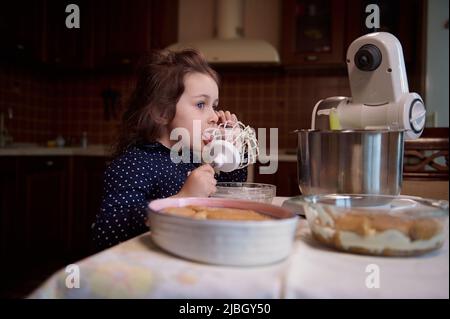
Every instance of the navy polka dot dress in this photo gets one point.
(139, 175)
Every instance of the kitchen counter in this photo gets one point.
(282, 157)
(105, 150)
(92, 150)
(137, 268)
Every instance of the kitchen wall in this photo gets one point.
(27, 97)
(44, 106)
(47, 105)
(437, 62)
(279, 100)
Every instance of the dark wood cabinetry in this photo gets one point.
(62, 46)
(285, 178)
(9, 218)
(313, 32)
(402, 18)
(47, 206)
(122, 31)
(21, 29)
(111, 33)
(318, 32)
(87, 185)
(42, 205)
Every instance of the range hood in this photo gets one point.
(229, 46)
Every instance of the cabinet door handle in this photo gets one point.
(311, 58)
(49, 163)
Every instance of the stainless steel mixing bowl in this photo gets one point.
(350, 161)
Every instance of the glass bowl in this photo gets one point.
(378, 224)
(259, 192)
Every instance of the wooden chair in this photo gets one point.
(425, 169)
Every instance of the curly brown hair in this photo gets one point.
(159, 86)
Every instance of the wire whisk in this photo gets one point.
(232, 146)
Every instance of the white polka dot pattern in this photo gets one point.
(139, 175)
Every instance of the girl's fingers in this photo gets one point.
(207, 168)
(213, 190)
(226, 116)
(221, 115)
(211, 185)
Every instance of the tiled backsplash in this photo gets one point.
(44, 106)
(28, 96)
(283, 101)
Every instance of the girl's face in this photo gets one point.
(199, 101)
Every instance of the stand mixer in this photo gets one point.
(358, 147)
(379, 86)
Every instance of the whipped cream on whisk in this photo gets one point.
(232, 145)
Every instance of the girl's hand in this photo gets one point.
(226, 117)
(200, 183)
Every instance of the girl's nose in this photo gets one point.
(213, 118)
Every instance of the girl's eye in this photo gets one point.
(200, 105)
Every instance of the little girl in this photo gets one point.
(172, 91)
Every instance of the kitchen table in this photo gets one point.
(137, 268)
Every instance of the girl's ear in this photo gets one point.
(159, 118)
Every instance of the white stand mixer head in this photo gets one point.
(379, 86)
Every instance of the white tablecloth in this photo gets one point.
(139, 269)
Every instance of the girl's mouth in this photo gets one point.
(207, 138)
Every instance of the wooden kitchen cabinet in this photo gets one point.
(35, 33)
(47, 206)
(285, 178)
(313, 32)
(33, 207)
(63, 46)
(402, 18)
(21, 30)
(43, 205)
(318, 32)
(124, 32)
(111, 34)
(87, 188)
(33, 219)
(8, 206)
